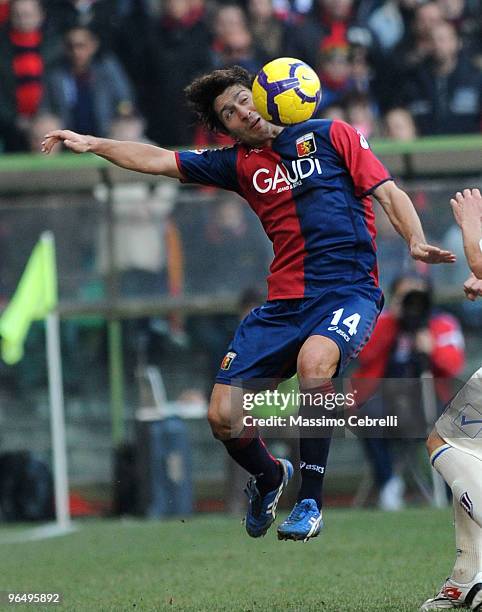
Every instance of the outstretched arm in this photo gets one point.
(467, 208)
(404, 218)
(130, 155)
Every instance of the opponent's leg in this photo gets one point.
(246, 447)
(468, 542)
(464, 585)
(317, 363)
(461, 471)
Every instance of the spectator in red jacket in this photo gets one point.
(410, 338)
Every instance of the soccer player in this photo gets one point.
(310, 185)
(455, 444)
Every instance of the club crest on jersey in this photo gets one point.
(228, 360)
(306, 145)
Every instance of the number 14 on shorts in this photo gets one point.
(351, 321)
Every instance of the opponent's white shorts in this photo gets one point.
(460, 425)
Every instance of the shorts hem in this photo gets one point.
(249, 385)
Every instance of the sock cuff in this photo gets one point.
(439, 451)
(246, 436)
(325, 387)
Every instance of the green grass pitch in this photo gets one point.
(362, 561)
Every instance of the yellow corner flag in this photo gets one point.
(35, 297)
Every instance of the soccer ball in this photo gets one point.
(286, 91)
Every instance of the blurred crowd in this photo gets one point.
(392, 68)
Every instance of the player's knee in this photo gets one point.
(314, 366)
(221, 416)
(219, 424)
(318, 360)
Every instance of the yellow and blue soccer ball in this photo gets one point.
(286, 91)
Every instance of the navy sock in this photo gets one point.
(250, 452)
(314, 445)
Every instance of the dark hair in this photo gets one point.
(202, 92)
(415, 276)
(92, 32)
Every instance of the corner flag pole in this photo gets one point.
(57, 423)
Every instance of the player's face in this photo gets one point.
(236, 111)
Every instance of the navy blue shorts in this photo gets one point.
(267, 342)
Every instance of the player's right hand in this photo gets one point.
(78, 143)
(473, 288)
(467, 207)
(430, 254)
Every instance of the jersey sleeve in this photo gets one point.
(366, 170)
(216, 167)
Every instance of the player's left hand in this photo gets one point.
(473, 288)
(430, 254)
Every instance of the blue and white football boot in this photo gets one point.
(304, 522)
(262, 510)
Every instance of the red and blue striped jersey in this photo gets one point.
(311, 191)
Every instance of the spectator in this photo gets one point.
(335, 111)
(131, 47)
(176, 52)
(233, 42)
(292, 10)
(332, 24)
(334, 70)
(147, 249)
(223, 231)
(101, 16)
(387, 25)
(361, 115)
(417, 43)
(399, 125)
(444, 93)
(147, 253)
(410, 338)
(270, 32)
(25, 51)
(466, 18)
(393, 69)
(87, 91)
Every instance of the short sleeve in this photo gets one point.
(215, 167)
(366, 170)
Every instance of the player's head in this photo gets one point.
(223, 102)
